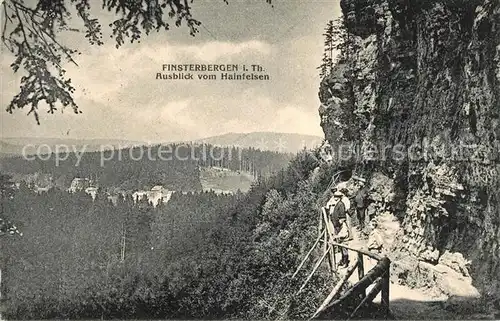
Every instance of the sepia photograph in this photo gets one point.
(250, 160)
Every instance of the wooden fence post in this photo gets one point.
(333, 261)
(328, 233)
(378, 284)
(1, 303)
(335, 290)
(378, 270)
(325, 236)
(385, 293)
(361, 271)
(378, 276)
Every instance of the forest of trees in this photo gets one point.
(81, 257)
(201, 255)
(252, 160)
(174, 166)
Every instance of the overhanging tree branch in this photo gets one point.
(31, 35)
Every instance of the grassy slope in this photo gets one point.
(224, 180)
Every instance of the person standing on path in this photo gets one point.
(361, 202)
(341, 228)
(337, 227)
(329, 215)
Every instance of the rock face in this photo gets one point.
(419, 88)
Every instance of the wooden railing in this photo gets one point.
(355, 298)
(378, 276)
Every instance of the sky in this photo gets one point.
(120, 98)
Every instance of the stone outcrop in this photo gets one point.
(420, 85)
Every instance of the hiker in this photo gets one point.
(342, 234)
(375, 239)
(337, 221)
(361, 201)
(342, 188)
(329, 215)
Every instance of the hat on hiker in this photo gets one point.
(338, 194)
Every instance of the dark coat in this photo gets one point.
(338, 213)
(361, 198)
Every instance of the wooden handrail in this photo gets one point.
(378, 270)
(378, 275)
(367, 253)
(385, 299)
(371, 295)
(361, 269)
(336, 289)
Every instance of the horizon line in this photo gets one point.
(159, 141)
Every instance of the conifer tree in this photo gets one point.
(336, 40)
(326, 64)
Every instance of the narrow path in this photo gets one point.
(410, 303)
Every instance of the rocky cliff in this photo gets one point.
(416, 97)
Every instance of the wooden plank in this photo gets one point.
(328, 234)
(361, 270)
(367, 253)
(320, 223)
(314, 270)
(333, 259)
(385, 299)
(378, 270)
(379, 283)
(328, 225)
(335, 290)
(325, 240)
(325, 249)
(324, 218)
(2, 307)
(308, 254)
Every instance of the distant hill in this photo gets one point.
(10, 146)
(280, 142)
